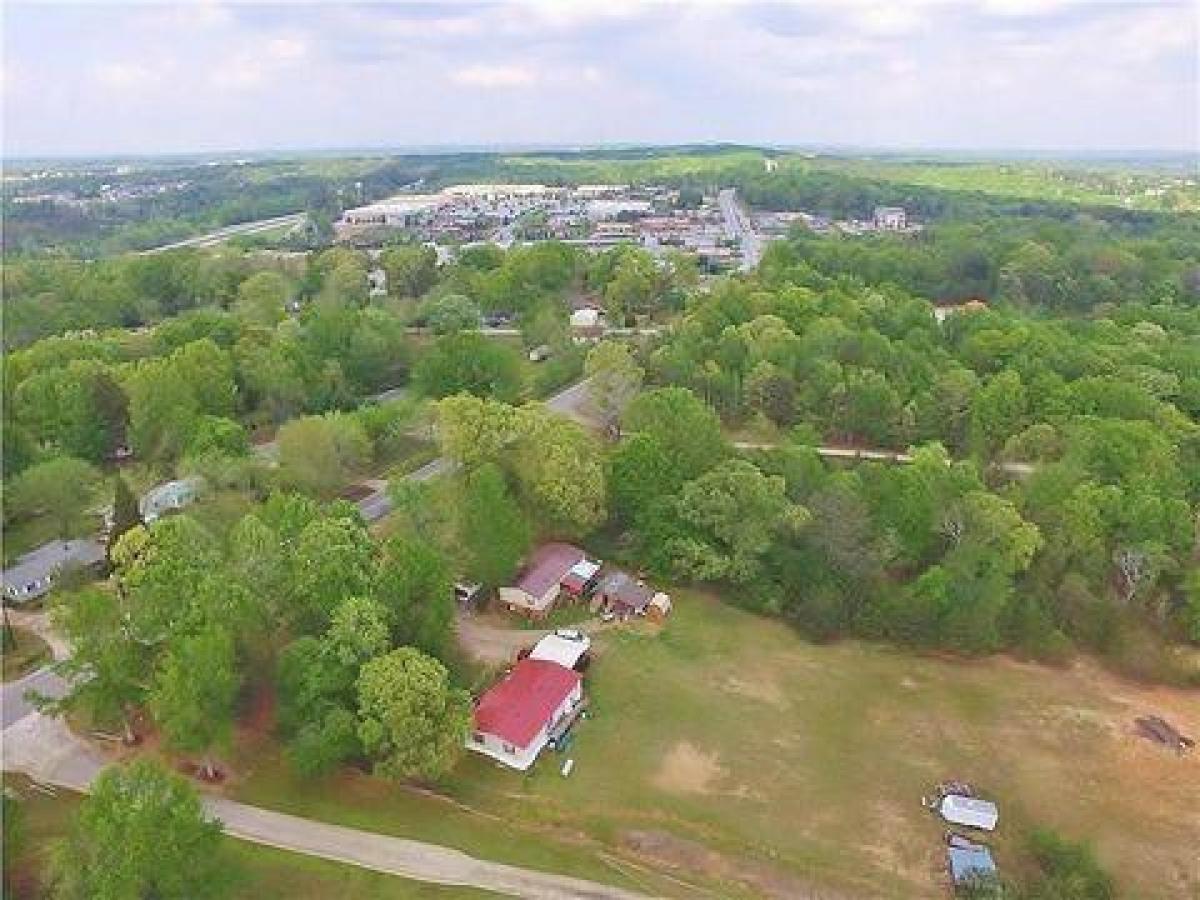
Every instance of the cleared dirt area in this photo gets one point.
(686, 769)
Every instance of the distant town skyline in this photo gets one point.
(1065, 76)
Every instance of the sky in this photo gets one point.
(1070, 76)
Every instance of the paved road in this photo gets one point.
(45, 749)
(739, 228)
(15, 706)
(223, 234)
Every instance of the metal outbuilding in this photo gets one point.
(969, 811)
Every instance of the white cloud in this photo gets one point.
(125, 76)
(287, 49)
(489, 77)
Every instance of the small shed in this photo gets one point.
(622, 594)
(968, 862)
(581, 579)
(969, 811)
(659, 607)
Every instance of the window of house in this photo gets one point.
(509, 748)
(477, 737)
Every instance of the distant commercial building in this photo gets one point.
(890, 218)
(398, 212)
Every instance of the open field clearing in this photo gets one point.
(730, 753)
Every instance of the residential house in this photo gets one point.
(540, 581)
(533, 706)
(168, 497)
(33, 575)
(587, 320)
(890, 218)
(942, 312)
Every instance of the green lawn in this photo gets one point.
(261, 872)
(28, 653)
(731, 752)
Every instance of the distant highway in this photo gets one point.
(223, 234)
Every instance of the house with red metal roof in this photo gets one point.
(534, 705)
(541, 579)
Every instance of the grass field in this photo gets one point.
(29, 653)
(260, 872)
(733, 754)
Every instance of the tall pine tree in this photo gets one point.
(126, 515)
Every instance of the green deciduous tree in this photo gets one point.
(411, 271)
(61, 488)
(142, 832)
(319, 454)
(411, 721)
(261, 298)
(492, 527)
(451, 313)
(331, 561)
(473, 430)
(687, 429)
(470, 363)
(614, 378)
(107, 668)
(317, 679)
(194, 691)
(413, 584)
(731, 516)
(560, 469)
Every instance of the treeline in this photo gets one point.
(165, 391)
(1072, 520)
(1051, 266)
(151, 206)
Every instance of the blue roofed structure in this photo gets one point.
(969, 861)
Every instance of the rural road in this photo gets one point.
(1019, 469)
(45, 749)
(13, 705)
(222, 234)
(16, 707)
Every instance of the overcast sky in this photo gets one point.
(1083, 76)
